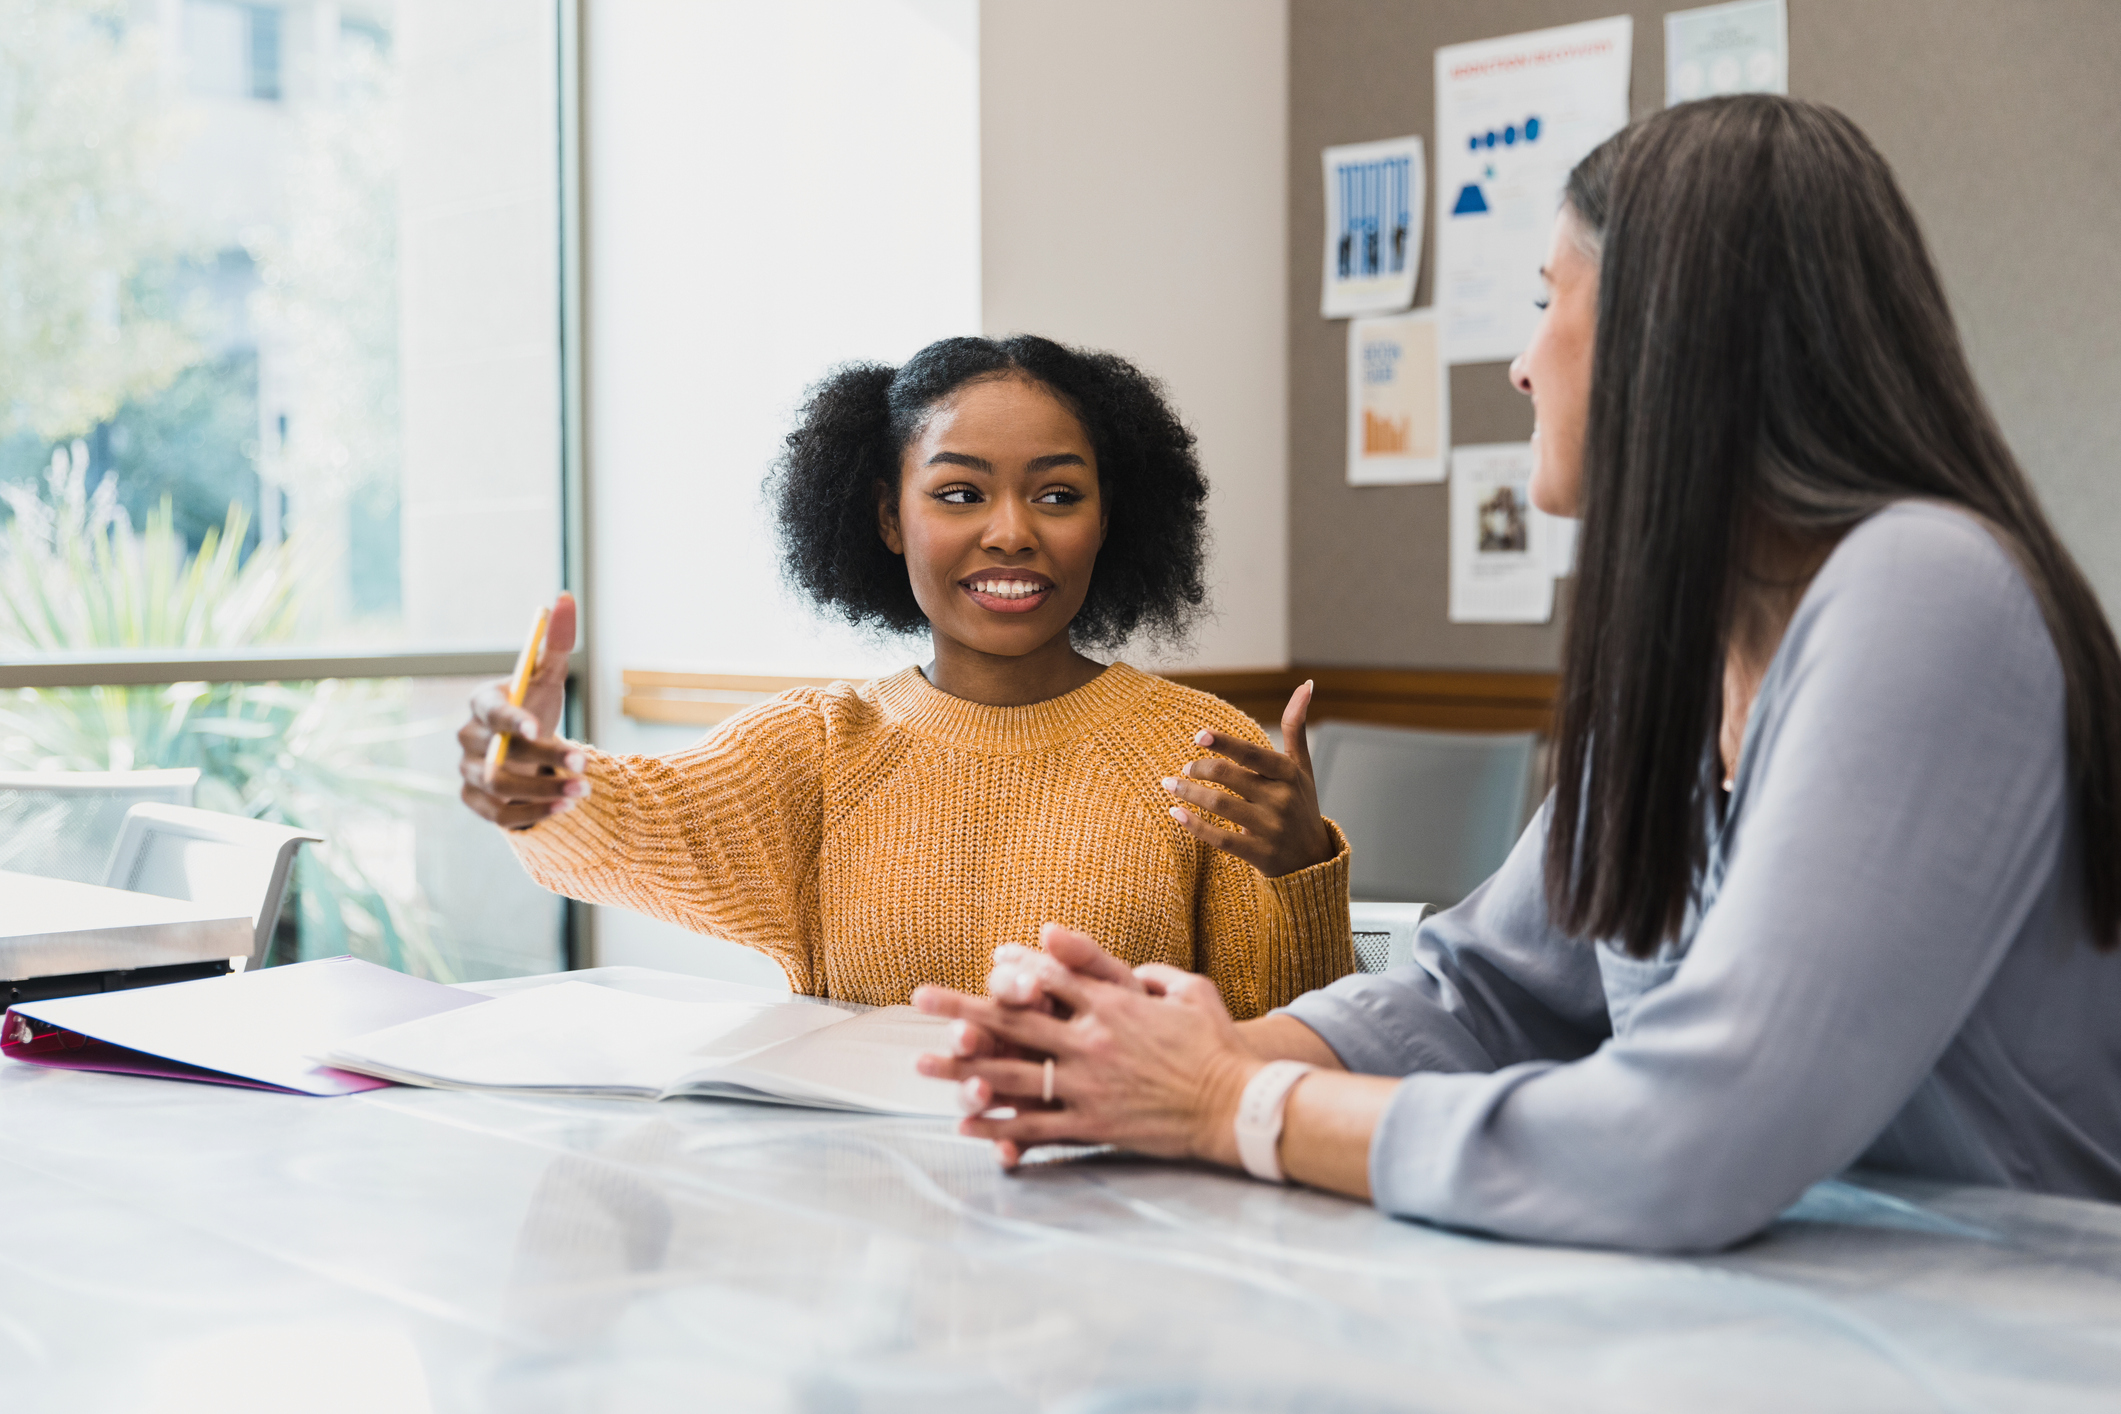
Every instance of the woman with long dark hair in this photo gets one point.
(1828, 875)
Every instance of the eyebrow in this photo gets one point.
(1036, 464)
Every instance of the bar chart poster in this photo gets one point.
(1374, 194)
(1398, 415)
(1513, 115)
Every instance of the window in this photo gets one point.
(281, 450)
(231, 50)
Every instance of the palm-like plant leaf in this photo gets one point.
(76, 577)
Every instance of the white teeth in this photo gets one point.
(1008, 588)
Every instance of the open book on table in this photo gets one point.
(580, 1038)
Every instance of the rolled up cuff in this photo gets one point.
(1313, 903)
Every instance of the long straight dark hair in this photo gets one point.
(1774, 354)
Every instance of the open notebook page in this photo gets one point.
(578, 1038)
(865, 1063)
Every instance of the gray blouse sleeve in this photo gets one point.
(1899, 810)
(1492, 984)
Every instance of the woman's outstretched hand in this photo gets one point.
(538, 777)
(1147, 1058)
(1273, 797)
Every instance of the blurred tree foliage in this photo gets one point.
(76, 577)
(80, 132)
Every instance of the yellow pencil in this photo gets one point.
(526, 668)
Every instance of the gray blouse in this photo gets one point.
(1888, 961)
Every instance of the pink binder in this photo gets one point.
(256, 1029)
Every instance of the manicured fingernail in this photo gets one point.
(575, 788)
(1204, 739)
(1178, 815)
(557, 806)
(574, 761)
(961, 1038)
(1170, 784)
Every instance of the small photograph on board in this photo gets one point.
(1398, 413)
(1502, 522)
(1500, 570)
(1718, 49)
(1374, 196)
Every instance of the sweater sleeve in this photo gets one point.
(721, 838)
(1898, 813)
(1264, 941)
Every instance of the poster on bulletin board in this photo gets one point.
(1398, 410)
(1513, 115)
(1374, 193)
(1501, 571)
(1718, 49)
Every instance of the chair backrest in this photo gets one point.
(62, 824)
(1428, 815)
(207, 857)
(1384, 933)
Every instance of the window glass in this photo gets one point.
(406, 876)
(279, 370)
(290, 271)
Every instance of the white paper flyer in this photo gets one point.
(1513, 115)
(1737, 48)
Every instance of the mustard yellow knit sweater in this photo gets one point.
(872, 838)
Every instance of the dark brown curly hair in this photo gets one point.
(856, 424)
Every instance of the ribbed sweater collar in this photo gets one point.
(914, 703)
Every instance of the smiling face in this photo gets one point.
(999, 518)
(1555, 368)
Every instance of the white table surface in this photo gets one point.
(180, 1246)
(51, 926)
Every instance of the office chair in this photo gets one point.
(1428, 815)
(206, 857)
(61, 824)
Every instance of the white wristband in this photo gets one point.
(1259, 1113)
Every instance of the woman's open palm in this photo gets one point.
(1272, 796)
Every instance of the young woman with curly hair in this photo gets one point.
(1022, 501)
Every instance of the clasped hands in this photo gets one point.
(1072, 1046)
(1146, 1058)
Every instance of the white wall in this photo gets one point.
(1133, 161)
(769, 190)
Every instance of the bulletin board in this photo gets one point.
(1999, 120)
